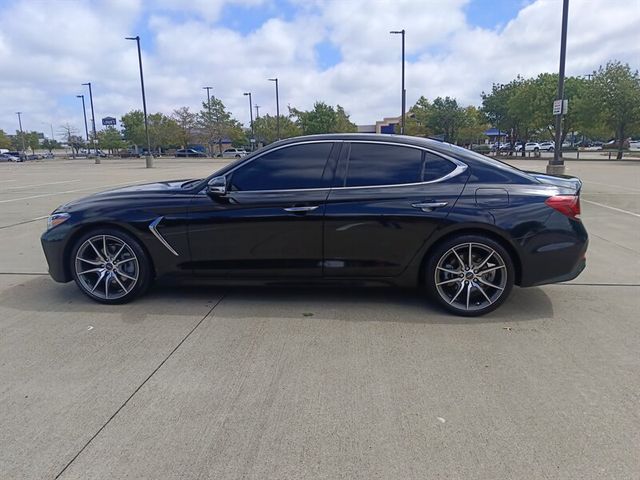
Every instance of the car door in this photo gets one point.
(269, 222)
(386, 202)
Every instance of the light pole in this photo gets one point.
(257, 107)
(148, 157)
(277, 107)
(21, 132)
(84, 113)
(253, 134)
(208, 89)
(93, 122)
(556, 166)
(403, 93)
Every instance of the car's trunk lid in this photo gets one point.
(565, 181)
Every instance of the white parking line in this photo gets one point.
(100, 188)
(7, 181)
(611, 185)
(41, 185)
(611, 208)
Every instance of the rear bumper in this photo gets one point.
(567, 276)
(555, 256)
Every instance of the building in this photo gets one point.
(386, 125)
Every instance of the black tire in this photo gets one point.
(118, 273)
(449, 283)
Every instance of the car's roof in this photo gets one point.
(376, 137)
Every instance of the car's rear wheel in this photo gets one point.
(470, 275)
(110, 266)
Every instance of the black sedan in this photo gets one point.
(189, 152)
(342, 209)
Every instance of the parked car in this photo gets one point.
(233, 153)
(634, 145)
(338, 209)
(528, 147)
(189, 152)
(547, 146)
(6, 157)
(21, 157)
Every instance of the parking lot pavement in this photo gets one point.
(314, 383)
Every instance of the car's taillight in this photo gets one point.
(568, 205)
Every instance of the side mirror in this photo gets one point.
(217, 186)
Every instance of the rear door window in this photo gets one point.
(372, 164)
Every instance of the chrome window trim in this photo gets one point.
(460, 167)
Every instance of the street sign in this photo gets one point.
(560, 107)
(108, 121)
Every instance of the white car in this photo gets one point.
(234, 153)
(529, 147)
(634, 145)
(5, 157)
(547, 146)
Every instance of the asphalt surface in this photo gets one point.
(256, 383)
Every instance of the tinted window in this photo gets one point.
(377, 164)
(299, 166)
(435, 167)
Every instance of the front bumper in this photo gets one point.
(53, 244)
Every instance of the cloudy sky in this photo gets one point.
(339, 51)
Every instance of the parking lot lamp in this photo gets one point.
(403, 93)
(84, 113)
(208, 89)
(93, 122)
(253, 134)
(148, 157)
(277, 107)
(21, 132)
(257, 107)
(556, 165)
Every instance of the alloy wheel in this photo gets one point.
(471, 276)
(106, 267)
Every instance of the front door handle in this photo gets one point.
(428, 206)
(310, 208)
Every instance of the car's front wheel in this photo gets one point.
(110, 266)
(470, 275)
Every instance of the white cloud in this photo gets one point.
(47, 52)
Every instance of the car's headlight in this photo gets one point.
(56, 219)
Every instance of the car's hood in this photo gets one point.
(133, 192)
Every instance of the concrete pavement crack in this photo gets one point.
(184, 339)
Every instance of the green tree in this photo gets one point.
(5, 141)
(32, 141)
(50, 144)
(215, 123)
(416, 120)
(164, 131)
(187, 123)
(495, 106)
(76, 142)
(472, 127)
(323, 119)
(267, 132)
(110, 139)
(617, 88)
(445, 118)
(133, 128)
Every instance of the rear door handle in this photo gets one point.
(428, 206)
(310, 208)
